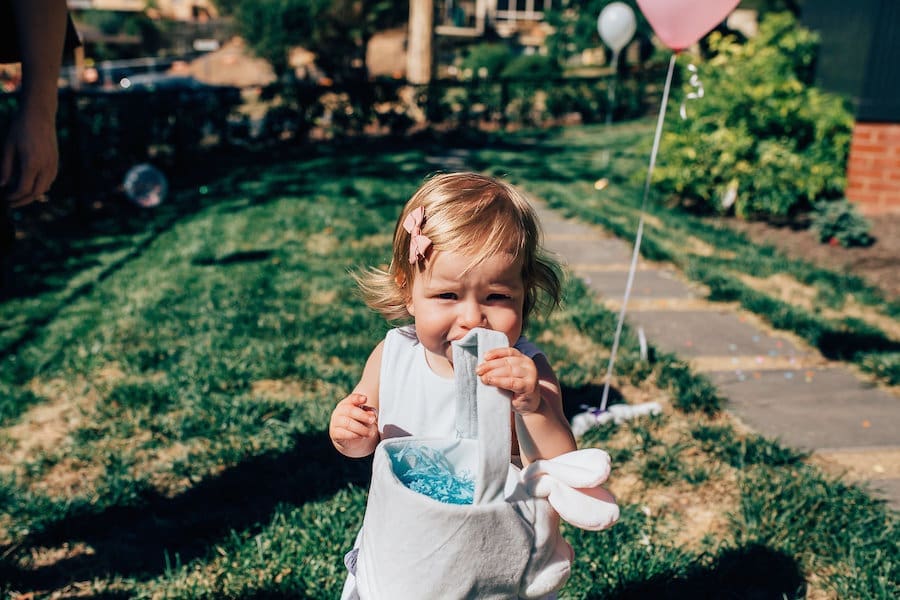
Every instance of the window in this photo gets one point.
(522, 10)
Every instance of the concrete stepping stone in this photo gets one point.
(577, 249)
(709, 333)
(555, 226)
(888, 489)
(648, 283)
(876, 469)
(813, 409)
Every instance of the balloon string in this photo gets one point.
(611, 91)
(695, 82)
(640, 233)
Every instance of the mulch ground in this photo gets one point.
(878, 264)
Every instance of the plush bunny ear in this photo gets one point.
(571, 483)
(587, 508)
(583, 468)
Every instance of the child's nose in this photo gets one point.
(471, 315)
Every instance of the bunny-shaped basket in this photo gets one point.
(506, 544)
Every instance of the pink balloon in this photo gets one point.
(680, 23)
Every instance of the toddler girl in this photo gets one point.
(466, 254)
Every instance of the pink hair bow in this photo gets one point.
(418, 243)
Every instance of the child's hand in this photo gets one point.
(354, 426)
(509, 369)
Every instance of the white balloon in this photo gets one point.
(616, 25)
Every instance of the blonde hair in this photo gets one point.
(475, 215)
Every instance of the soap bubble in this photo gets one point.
(145, 185)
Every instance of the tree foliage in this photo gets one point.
(795, 7)
(110, 23)
(337, 31)
(575, 26)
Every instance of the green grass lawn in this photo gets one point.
(165, 399)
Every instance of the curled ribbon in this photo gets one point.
(418, 243)
(694, 82)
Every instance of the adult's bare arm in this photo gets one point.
(29, 156)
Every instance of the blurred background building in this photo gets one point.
(177, 10)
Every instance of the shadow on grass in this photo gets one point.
(575, 399)
(132, 541)
(844, 345)
(40, 286)
(751, 573)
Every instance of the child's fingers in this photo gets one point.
(517, 385)
(515, 378)
(515, 373)
(363, 414)
(356, 422)
(357, 399)
(509, 369)
(353, 416)
(501, 353)
(353, 427)
(356, 412)
(505, 365)
(520, 366)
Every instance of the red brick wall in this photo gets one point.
(873, 172)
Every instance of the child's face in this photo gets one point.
(446, 304)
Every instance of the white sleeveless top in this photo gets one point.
(413, 399)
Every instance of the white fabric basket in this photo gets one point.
(506, 544)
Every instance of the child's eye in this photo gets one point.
(495, 297)
(447, 296)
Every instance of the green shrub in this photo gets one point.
(531, 66)
(761, 136)
(491, 56)
(586, 99)
(841, 222)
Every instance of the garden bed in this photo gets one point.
(878, 264)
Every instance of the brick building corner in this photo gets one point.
(873, 170)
